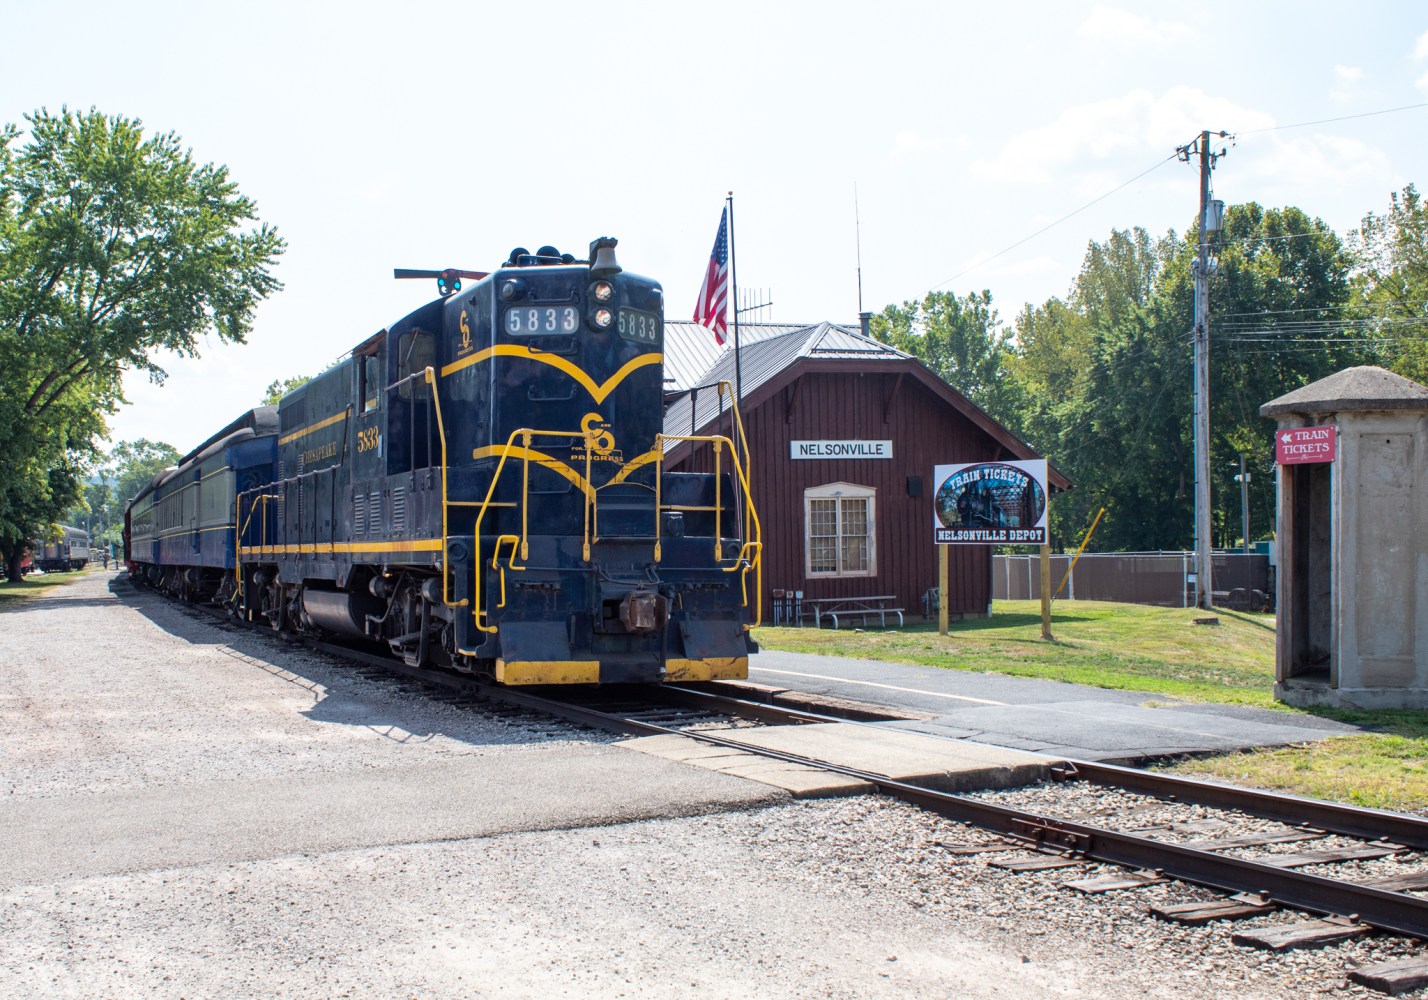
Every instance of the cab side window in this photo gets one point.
(416, 351)
(370, 391)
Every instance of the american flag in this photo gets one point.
(712, 307)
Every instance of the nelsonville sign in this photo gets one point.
(840, 449)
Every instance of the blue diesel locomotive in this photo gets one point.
(480, 486)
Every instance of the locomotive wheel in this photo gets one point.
(277, 608)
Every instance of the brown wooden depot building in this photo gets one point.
(843, 434)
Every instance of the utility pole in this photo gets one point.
(1244, 480)
(1200, 148)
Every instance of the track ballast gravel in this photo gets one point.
(845, 898)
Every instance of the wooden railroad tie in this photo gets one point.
(1306, 934)
(1038, 864)
(1237, 907)
(1109, 883)
(1399, 976)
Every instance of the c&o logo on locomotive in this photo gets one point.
(464, 347)
(602, 445)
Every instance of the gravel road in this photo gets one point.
(103, 693)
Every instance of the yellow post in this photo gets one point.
(941, 590)
(1046, 593)
(1077, 557)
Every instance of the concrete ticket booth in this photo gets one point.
(1353, 541)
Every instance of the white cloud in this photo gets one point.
(1137, 124)
(1422, 83)
(1345, 77)
(1041, 266)
(1420, 51)
(1123, 27)
(916, 142)
(1311, 171)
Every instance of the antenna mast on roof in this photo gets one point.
(858, 240)
(752, 304)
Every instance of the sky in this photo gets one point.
(443, 135)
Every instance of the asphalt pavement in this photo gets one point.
(1069, 720)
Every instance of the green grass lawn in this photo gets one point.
(1130, 647)
(1385, 769)
(11, 594)
(34, 585)
(1162, 653)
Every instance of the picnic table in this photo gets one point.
(850, 608)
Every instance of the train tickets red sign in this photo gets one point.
(1297, 445)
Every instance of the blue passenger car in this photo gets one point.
(179, 531)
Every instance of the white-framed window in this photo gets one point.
(839, 530)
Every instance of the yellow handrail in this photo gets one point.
(526, 434)
(240, 590)
(495, 563)
(446, 600)
(238, 546)
(750, 555)
(727, 387)
(749, 558)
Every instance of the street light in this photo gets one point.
(1244, 480)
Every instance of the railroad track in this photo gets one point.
(1253, 886)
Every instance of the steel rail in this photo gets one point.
(1331, 817)
(1334, 817)
(1396, 912)
(1384, 909)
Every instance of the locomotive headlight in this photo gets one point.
(602, 291)
(602, 318)
(512, 289)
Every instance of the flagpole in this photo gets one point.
(734, 279)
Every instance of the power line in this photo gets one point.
(1158, 165)
(1239, 240)
(1053, 225)
(1373, 347)
(1286, 312)
(1304, 341)
(1343, 118)
(1292, 327)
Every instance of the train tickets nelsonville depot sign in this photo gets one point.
(990, 503)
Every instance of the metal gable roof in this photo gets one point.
(762, 360)
(690, 349)
(698, 406)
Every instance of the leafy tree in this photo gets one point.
(1092, 372)
(92, 511)
(278, 388)
(134, 464)
(1278, 268)
(114, 247)
(961, 340)
(1103, 379)
(1392, 282)
(130, 467)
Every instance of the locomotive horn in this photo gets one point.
(602, 257)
